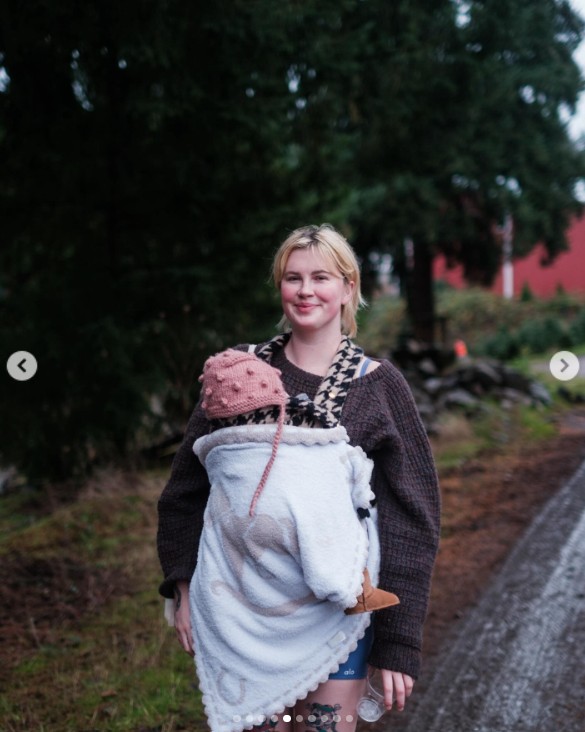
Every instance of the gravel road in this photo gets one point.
(518, 663)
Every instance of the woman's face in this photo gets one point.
(313, 291)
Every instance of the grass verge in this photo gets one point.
(85, 645)
(494, 430)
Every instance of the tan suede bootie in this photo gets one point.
(372, 598)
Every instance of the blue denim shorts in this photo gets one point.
(356, 666)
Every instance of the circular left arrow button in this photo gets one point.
(22, 365)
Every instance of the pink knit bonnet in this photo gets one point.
(237, 382)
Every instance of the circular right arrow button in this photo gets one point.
(564, 365)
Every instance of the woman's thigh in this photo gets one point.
(331, 707)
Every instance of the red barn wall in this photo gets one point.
(568, 269)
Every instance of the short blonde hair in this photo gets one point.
(334, 247)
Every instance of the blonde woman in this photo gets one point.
(327, 377)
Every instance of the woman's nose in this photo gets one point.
(306, 286)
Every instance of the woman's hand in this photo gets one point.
(397, 686)
(183, 617)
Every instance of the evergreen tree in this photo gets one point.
(463, 118)
(144, 186)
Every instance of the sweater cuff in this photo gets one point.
(167, 589)
(167, 586)
(395, 657)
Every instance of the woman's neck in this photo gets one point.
(312, 353)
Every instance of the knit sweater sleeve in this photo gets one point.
(180, 509)
(406, 487)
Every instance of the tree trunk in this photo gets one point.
(420, 296)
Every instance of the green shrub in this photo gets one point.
(577, 329)
(563, 304)
(503, 345)
(526, 293)
(537, 336)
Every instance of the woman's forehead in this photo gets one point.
(310, 259)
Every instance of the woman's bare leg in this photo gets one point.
(331, 707)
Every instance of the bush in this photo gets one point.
(503, 345)
(536, 336)
(577, 329)
(526, 294)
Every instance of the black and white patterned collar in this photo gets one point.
(327, 405)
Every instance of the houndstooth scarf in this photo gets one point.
(325, 409)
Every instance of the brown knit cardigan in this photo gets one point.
(380, 416)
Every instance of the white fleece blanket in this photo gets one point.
(268, 593)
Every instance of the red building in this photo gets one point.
(567, 271)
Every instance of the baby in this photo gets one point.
(236, 384)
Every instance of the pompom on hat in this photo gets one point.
(237, 382)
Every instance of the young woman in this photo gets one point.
(317, 274)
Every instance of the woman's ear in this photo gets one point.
(349, 288)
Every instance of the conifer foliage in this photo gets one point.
(154, 153)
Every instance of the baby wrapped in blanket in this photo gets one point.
(289, 536)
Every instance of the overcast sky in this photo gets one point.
(577, 124)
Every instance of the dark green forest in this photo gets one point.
(155, 153)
